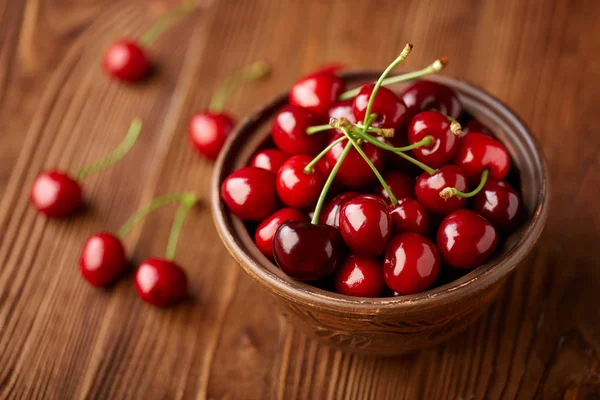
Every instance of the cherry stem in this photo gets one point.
(255, 71)
(166, 21)
(150, 208)
(433, 68)
(451, 191)
(133, 133)
(311, 130)
(309, 167)
(188, 201)
(455, 126)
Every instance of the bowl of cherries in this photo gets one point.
(383, 212)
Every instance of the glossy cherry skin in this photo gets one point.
(476, 126)
(56, 194)
(445, 143)
(208, 132)
(466, 239)
(360, 277)
(317, 92)
(411, 263)
(330, 214)
(263, 237)
(102, 259)
(354, 172)
(366, 225)
(429, 187)
(297, 188)
(289, 132)
(427, 95)
(499, 203)
(160, 282)
(269, 159)
(410, 216)
(250, 193)
(477, 152)
(341, 109)
(307, 252)
(126, 60)
(390, 109)
(401, 184)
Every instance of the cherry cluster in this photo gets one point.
(385, 196)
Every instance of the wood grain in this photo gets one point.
(60, 339)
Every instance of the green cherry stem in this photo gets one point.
(311, 130)
(116, 155)
(450, 191)
(188, 200)
(255, 71)
(433, 68)
(166, 21)
(309, 167)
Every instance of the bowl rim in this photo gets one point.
(476, 280)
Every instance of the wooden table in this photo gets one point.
(59, 338)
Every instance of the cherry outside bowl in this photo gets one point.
(393, 325)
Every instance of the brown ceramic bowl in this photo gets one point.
(393, 325)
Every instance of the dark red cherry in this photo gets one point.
(208, 132)
(476, 126)
(263, 237)
(250, 193)
(393, 160)
(354, 172)
(56, 194)
(390, 109)
(102, 259)
(401, 184)
(410, 216)
(360, 277)
(289, 132)
(499, 203)
(160, 282)
(330, 214)
(366, 225)
(436, 125)
(429, 187)
(466, 239)
(269, 159)
(307, 252)
(411, 263)
(126, 60)
(297, 188)
(427, 95)
(477, 152)
(317, 92)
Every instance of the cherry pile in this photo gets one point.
(369, 192)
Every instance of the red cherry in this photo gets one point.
(330, 214)
(360, 277)
(307, 252)
(465, 239)
(499, 203)
(341, 109)
(354, 172)
(436, 125)
(208, 132)
(160, 282)
(263, 237)
(410, 216)
(250, 193)
(429, 187)
(269, 159)
(425, 95)
(366, 225)
(390, 110)
(126, 60)
(411, 263)
(401, 184)
(317, 92)
(297, 188)
(476, 126)
(289, 132)
(102, 259)
(56, 194)
(477, 152)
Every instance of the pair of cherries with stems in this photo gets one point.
(158, 281)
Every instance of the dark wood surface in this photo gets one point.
(61, 339)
